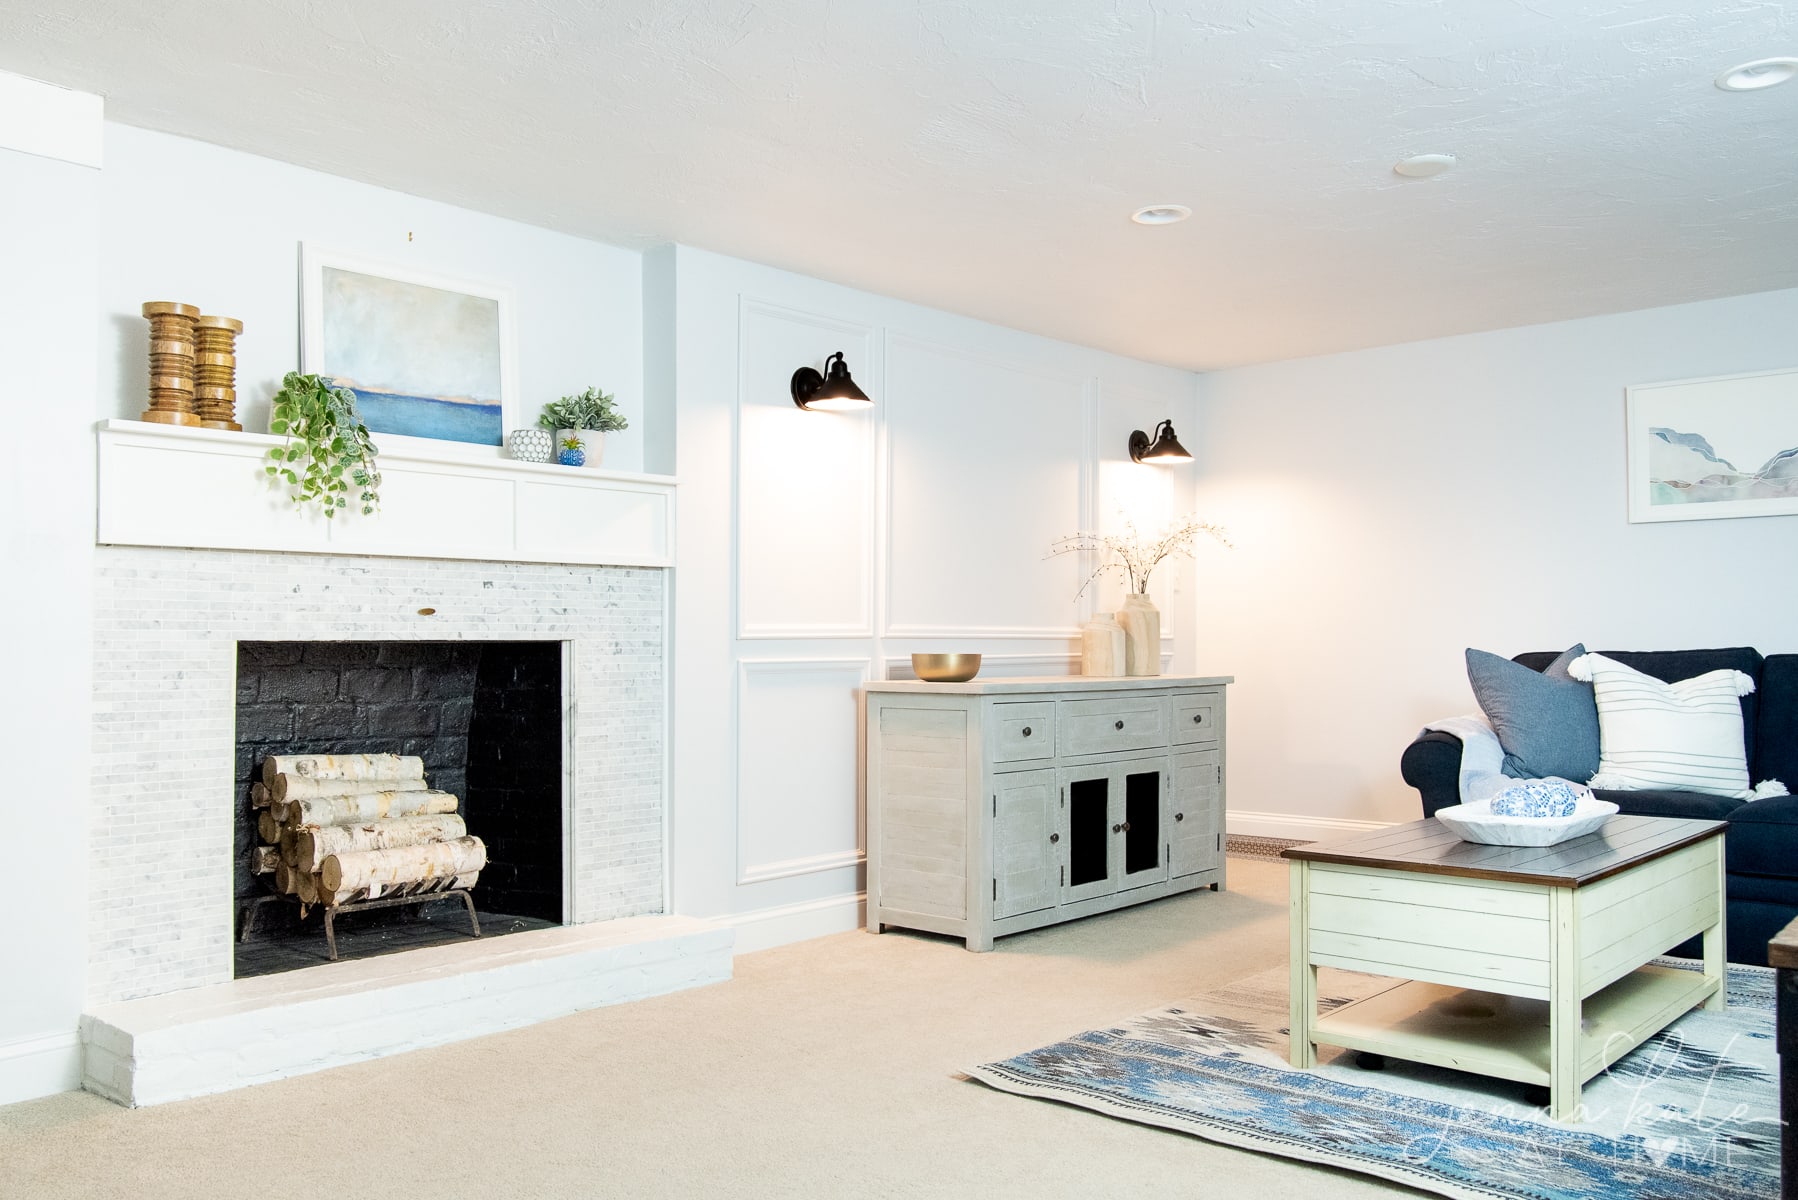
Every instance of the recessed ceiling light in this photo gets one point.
(1161, 214)
(1761, 73)
(1422, 166)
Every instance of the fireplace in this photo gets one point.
(196, 559)
(485, 718)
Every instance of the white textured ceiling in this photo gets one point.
(984, 157)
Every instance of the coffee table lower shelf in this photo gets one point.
(1507, 1037)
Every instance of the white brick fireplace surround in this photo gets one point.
(165, 1018)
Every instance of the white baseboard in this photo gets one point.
(1288, 825)
(766, 928)
(40, 1066)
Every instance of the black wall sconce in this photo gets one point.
(832, 391)
(1164, 447)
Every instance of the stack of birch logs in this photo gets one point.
(343, 827)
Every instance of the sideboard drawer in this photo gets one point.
(1121, 723)
(1023, 731)
(1198, 717)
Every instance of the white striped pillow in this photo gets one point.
(1684, 736)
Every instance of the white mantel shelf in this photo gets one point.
(166, 485)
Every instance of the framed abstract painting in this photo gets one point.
(427, 356)
(1700, 449)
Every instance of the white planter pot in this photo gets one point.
(593, 444)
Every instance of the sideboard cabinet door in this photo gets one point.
(1195, 828)
(1027, 842)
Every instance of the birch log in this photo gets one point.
(286, 880)
(342, 766)
(259, 795)
(267, 828)
(308, 886)
(374, 869)
(364, 807)
(298, 787)
(313, 846)
(264, 859)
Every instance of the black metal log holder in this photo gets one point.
(332, 910)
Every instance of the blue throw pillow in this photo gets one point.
(1547, 722)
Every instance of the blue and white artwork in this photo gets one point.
(425, 357)
(1714, 448)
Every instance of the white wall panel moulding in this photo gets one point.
(167, 486)
(50, 121)
(998, 665)
(797, 737)
(975, 436)
(805, 491)
(835, 860)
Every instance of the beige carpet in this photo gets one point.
(823, 1069)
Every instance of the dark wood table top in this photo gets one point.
(1782, 951)
(1429, 847)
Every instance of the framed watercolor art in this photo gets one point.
(1706, 448)
(427, 356)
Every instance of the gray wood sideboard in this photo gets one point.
(997, 806)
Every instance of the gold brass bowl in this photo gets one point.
(945, 668)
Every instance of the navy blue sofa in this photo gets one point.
(1761, 846)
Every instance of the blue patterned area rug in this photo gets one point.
(1691, 1114)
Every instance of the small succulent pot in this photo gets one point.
(593, 443)
(531, 445)
(571, 455)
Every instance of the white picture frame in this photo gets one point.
(1715, 447)
(425, 353)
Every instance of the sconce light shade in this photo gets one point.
(833, 391)
(1164, 447)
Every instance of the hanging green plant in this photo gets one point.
(328, 453)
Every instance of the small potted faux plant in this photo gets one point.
(328, 453)
(586, 418)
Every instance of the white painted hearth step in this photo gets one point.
(231, 1035)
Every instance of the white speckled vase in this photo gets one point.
(531, 445)
(1102, 646)
(1142, 635)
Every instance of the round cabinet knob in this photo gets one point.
(1179, 816)
(1026, 731)
(1126, 827)
(1054, 837)
(1117, 829)
(1120, 724)
(1198, 718)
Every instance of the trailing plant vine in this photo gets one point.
(328, 452)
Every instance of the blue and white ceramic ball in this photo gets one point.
(531, 445)
(1536, 798)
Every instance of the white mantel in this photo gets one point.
(166, 485)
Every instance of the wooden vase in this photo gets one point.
(1103, 648)
(1142, 635)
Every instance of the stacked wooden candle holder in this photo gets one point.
(171, 362)
(215, 394)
